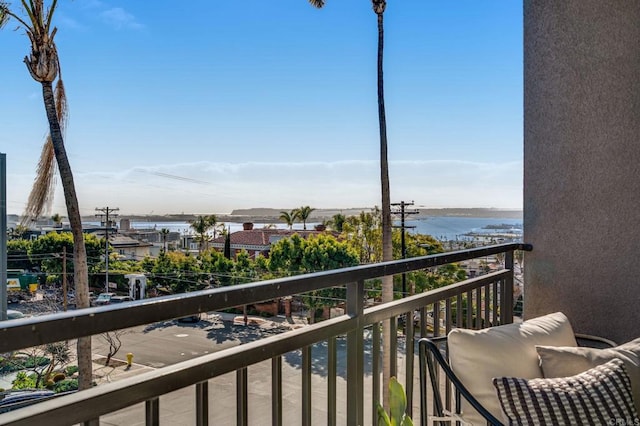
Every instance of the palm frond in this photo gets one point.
(317, 3)
(62, 107)
(30, 10)
(41, 196)
(49, 16)
(4, 16)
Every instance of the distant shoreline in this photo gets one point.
(269, 215)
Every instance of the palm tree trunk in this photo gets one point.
(387, 248)
(80, 273)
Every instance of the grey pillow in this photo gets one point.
(601, 395)
(569, 361)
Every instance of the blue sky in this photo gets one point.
(210, 105)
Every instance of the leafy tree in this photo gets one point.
(218, 267)
(363, 233)
(46, 251)
(117, 270)
(289, 217)
(445, 275)
(296, 255)
(337, 222)
(18, 255)
(285, 256)
(303, 214)
(44, 66)
(177, 271)
(261, 265)
(244, 270)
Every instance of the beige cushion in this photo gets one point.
(599, 396)
(477, 356)
(569, 361)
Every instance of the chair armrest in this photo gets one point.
(431, 358)
(590, 341)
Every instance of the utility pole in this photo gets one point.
(403, 212)
(106, 211)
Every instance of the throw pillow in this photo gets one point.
(601, 395)
(569, 361)
(477, 356)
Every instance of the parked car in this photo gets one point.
(103, 299)
(120, 299)
(15, 397)
(11, 314)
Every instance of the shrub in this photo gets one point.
(65, 385)
(24, 381)
(36, 361)
(9, 365)
(70, 370)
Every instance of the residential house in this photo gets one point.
(257, 241)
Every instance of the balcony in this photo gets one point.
(253, 383)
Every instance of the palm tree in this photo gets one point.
(303, 214)
(289, 217)
(44, 66)
(57, 220)
(201, 226)
(164, 233)
(379, 7)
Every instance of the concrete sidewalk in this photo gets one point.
(117, 369)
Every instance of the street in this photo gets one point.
(169, 342)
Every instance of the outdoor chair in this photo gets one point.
(528, 373)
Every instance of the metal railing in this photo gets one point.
(475, 303)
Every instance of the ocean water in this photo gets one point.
(444, 228)
(447, 228)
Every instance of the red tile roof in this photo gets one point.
(260, 237)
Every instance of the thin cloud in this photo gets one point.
(120, 19)
(222, 187)
(170, 176)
